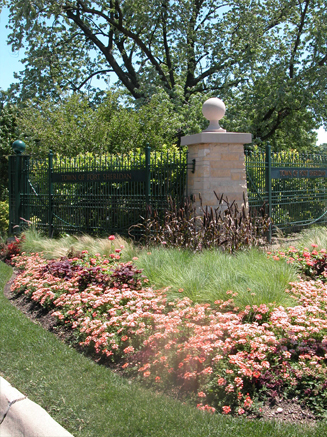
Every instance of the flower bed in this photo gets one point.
(222, 358)
(310, 264)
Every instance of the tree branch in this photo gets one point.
(132, 88)
(119, 26)
(166, 46)
(90, 77)
(191, 62)
(298, 38)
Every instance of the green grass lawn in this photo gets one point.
(90, 400)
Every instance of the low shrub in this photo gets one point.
(4, 217)
(10, 250)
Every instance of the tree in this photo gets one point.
(265, 58)
(8, 133)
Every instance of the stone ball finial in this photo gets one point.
(213, 110)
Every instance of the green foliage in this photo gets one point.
(75, 126)
(4, 217)
(8, 133)
(267, 60)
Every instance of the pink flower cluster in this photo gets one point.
(310, 264)
(221, 357)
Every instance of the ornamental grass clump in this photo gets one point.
(313, 235)
(221, 357)
(206, 276)
(72, 245)
(227, 226)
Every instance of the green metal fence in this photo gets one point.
(293, 185)
(92, 194)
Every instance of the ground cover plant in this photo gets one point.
(223, 357)
(90, 400)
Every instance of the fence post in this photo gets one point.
(148, 175)
(18, 147)
(268, 188)
(50, 194)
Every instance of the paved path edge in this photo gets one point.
(21, 417)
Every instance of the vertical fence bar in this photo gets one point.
(26, 189)
(17, 194)
(11, 194)
(50, 195)
(268, 188)
(148, 175)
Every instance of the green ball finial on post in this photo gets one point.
(19, 147)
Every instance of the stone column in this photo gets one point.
(219, 160)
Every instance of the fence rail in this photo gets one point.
(110, 193)
(93, 194)
(293, 185)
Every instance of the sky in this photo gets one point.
(10, 63)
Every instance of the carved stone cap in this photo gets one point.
(217, 137)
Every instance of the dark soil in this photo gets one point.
(281, 410)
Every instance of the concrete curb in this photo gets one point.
(20, 417)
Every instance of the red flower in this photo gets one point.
(226, 409)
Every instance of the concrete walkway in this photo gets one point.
(20, 417)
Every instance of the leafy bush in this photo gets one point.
(9, 250)
(226, 227)
(64, 268)
(4, 217)
(98, 271)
